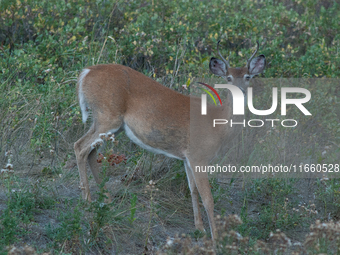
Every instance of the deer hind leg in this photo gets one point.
(194, 197)
(85, 150)
(82, 149)
(203, 187)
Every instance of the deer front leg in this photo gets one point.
(203, 187)
(194, 197)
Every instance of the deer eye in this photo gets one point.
(247, 78)
(228, 78)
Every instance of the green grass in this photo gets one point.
(45, 44)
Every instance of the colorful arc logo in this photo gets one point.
(213, 90)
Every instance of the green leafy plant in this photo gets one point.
(133, 203)
(71, 231)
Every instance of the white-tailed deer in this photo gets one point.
(157, 119)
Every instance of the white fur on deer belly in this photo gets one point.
(135, 139)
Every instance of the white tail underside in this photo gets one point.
(81, 96)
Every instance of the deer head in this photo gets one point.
(238, 76)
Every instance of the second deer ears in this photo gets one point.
(257, 65)
(217, 67)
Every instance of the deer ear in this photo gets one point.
(257, 65)
(217, 67)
